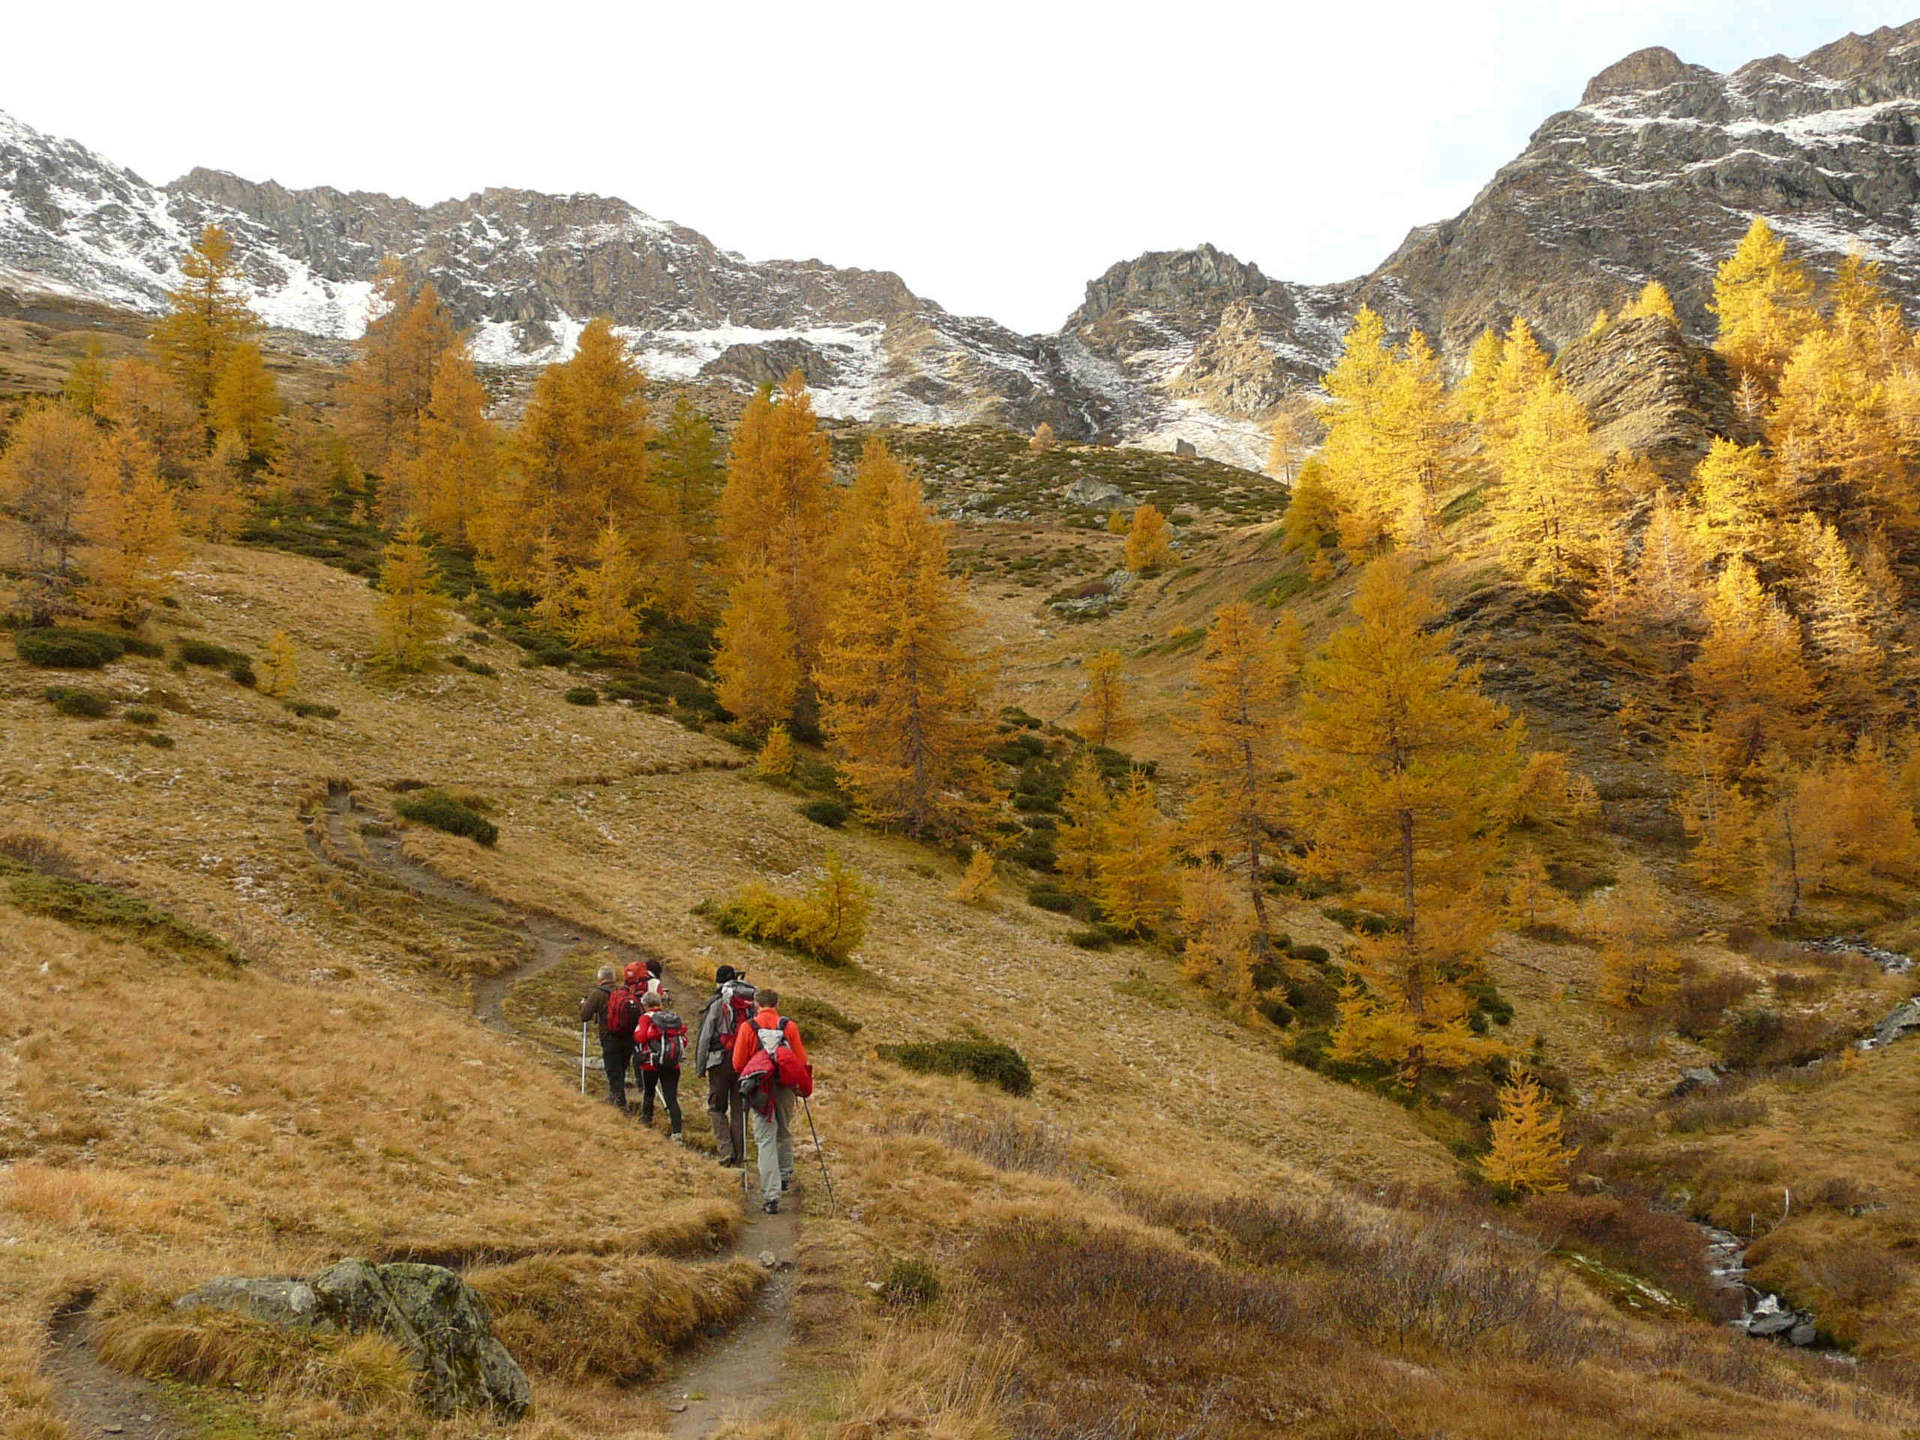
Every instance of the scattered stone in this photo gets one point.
(113, 1429)
(1892, 962)
(1904, 1021)
(770, 1260)
(427, 1309)
(1186, 450)
(1803, 1334)
(1098, 494)
(677, 1407)
(1695, 1077)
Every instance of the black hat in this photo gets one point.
(724, 974)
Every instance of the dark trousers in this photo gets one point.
(728, 1114)
(616, 1052)
(668, 1082)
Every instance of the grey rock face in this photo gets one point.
(1904, 1021)
(429, 1311)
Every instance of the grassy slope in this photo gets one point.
(605, 817)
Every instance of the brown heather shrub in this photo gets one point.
(579, 1317)
(999, 1138)
(1721, 1108)
(1704, 999)
(39, 851)
(1627, 1234)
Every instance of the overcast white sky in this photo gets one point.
(997, 155)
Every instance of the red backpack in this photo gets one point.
(666, 1043)
(623, 1012)
(774, 1064)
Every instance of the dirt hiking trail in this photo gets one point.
(98, 1401)
(736, 1373)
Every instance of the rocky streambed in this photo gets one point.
(1762, 1314)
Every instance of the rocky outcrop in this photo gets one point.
(1648, 391)
(1904, 1021)
(427, 1310)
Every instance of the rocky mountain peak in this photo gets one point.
(1203, 279)
(1653, 68)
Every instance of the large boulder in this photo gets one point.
(429, 1311)
(1904, 1021)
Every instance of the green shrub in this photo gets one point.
(830, 813)
(911, 1282)
(64, 648)
(1091, 939)
(445, 812)
(827, 923)
(472, 667)
(208, 654)
(81, 704)
(1050, 897)
(141, 715)
(987, 1061)
(309, 710)
(87, 906)
(581, 695)
(1312, 954)
(814, 1017)
(241, 672)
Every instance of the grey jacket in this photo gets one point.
(710, 1049)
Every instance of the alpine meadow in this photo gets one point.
(600, 839)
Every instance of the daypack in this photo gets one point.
(623, 1012)
(666, 1047)
(742, 1001)
(773, 1063)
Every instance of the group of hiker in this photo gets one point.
(751, 1057)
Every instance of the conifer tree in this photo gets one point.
(452, 473)
(85, 388)
(1475, 399)
(53, 458)
(145, 399)
(216, 505)
(1218, 938)
(1406, 775)
(1285, 445)
(1533, 901)
(1639, 966)
(862, 505)
(1523, 369)
(1529, 1154)
(1840, 611)
(1548, 518)
(603, 595)
(1043, 440)
(1085, 809)
(776, 509)
(975, 883)
(689, 471)
(246, 402)
(135, 534)
(1750, 673)
(389, 385)
(1653, 300)
(206, 317)
(1717, 815)
(1761, 300)
(1244, 681)
(1739, 509)
(1105, 718)
(1663, 601)
(757, 674)
(1149, 540)
(777, 760)
(1133, 872)
(281, 674)
(1387, 435)
(410, 616)
(311, 464)
(900, 694)
(1312, 520)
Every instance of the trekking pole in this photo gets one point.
(818, 1151)
(583, 1057)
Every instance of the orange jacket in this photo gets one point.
(747, 1038)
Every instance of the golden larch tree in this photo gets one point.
(410, 617)
(1548, 514)
(1286, 445)
(144, 398)
(1406, 776)
(452, 473)
(1738, 509)
(389, 384)
(1149, 540)
(135, 536)
(85, 388)
(1217, 933)
(900, 693)
(1750, 673)
(1085, 809)
(53, 458)
(281, 673)
(757, 676)
(1534, 902)
(1634, 925)
(1133, 873)
(1761, 300)
(1312, 519)
(1043, 440)
(1105, 710)
(602, 597)
(1653, 300)
(206, 317)
(776, 512)
(246, 403)
(1388, 432)
(689, 469)
(1244, 681)
(1529, 1154)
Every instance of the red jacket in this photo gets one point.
(647, 1031)
(747, 1038)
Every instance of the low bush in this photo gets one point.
(472, 667)
(446, 812)
(206, 653)
(998, 1138)
(158, 739)
(1090, 939)
(581, 695)
(1712, 1110)
(81, 704)
(310, 710)
(1704, 999)
(1051, 897)
(60, 647)
(141, 715)
(911, 1282)
(830, 813)
(1628, 1234)
(828, 922)
(816, 1017)
(988, 1061)
(34, 851)
(88, 906)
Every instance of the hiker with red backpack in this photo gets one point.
(614, 1009)
(644, 980)
(659, 1046)
(731, 1006)
(774, 1072)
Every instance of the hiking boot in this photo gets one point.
(772, 1207)
(676, 1137)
